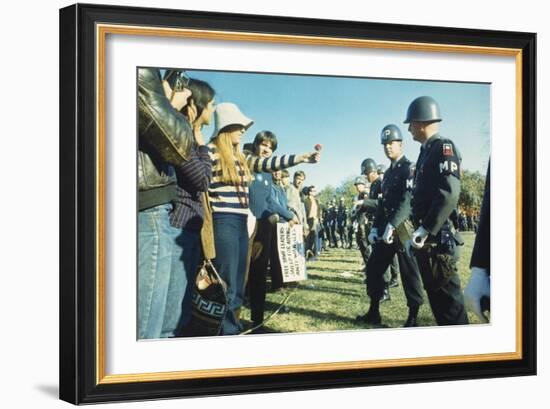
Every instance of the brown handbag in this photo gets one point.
(207, 231)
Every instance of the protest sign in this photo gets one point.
(290, 243)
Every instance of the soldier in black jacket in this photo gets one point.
(332, 216)
(477, 293)
(435, 197)
(370, 201)
(358, 218)
(341, 222)
(391, 214)
(369, 206)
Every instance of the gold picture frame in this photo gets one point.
(84, 30)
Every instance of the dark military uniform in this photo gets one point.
(394, 208)
(370, 206)
(360, 218)
(371, 202)
(435, 197)
(351, 229)
(332, 216)
(324, 232)
(341, 222)
(481, 254)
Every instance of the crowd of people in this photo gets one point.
(220, 200)
(196, 201)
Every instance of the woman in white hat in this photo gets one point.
(228, 192)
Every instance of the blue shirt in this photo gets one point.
(259, 193)
(267, 198)
(279, 203)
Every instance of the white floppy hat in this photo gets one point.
(229, 114)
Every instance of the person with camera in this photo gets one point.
(193, 179)
(165, 142)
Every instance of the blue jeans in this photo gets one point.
(231, 241)
(156, 238)
(185, 258)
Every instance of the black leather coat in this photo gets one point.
(165, 140)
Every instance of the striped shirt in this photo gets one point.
(233, 198)
(193, 179)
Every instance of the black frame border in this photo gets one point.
(78, 197)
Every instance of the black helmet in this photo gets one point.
(367, 166)
(360, 180)
(389, 134)
(381, 169)
(423, 109)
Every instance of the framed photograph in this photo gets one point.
(257, 203)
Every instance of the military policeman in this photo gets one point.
(369, 168)
(435, 197)
(392, 213)
(358, 217)
(341, 221)
(394, 266)
(368, 206)
(332, 215)
(477, 293)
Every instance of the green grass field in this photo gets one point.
(334, 294)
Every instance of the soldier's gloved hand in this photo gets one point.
(388, 234)
(478, 287)
(419, 237)
(373, 235)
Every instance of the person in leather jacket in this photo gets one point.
(165, 140)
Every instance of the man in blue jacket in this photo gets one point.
(268, 211)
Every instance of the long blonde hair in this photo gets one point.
(228, 155)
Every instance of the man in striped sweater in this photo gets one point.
(268, 211)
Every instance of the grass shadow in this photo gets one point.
(332, 290)
(336, 279)
(328, 269)
(313, 313)
(338, 260)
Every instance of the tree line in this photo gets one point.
(471, 194)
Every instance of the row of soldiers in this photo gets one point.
(411, 216)
(336, 224)
(340, 223)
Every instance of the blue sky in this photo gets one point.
(346, 116)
